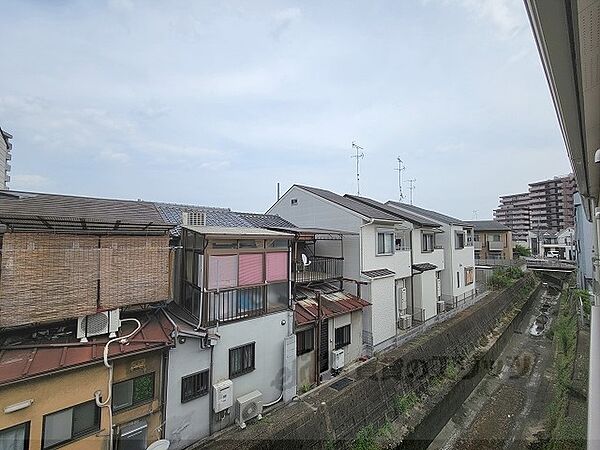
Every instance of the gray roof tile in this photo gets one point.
(432, 215)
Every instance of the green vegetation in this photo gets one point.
(403, 403)
(451, 370)
(564, 432)
(521, 250)
(305, 388)
(504, 276)
(585, 300)
(368, 437)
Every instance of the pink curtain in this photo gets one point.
(222, 272)
(277, 266)
(251, 269)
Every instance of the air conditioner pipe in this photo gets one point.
(106, 403)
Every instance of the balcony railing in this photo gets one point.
(234, 304)
(320, 268)
(477, 245)
(495, 245)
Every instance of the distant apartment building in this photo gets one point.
(514, 213)
(547, 206)
(5, 157)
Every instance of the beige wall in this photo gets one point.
(63, 390)
(505, 238)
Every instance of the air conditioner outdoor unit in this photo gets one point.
(107, 322)
(337, 360)
(438, 287)
(222, 395)
(441, 306)
(405, 322)
(194, 218)
(249, 406)
(403, 298)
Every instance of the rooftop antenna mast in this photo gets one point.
(401, 167)
(411, 188)
(359, 154)
(475, 214)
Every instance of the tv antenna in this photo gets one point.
(359, 154)
(475, 214)
(411, 188)
(400, 168)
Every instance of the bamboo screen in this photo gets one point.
(47, 277)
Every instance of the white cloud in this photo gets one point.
(29, 182)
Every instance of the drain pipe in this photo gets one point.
(107, 403)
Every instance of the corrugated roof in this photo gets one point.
(41, 210)
(423, 267)
(488, 225)
(378, 273)
(334, 302)
(413, 218)
(265, 220)
(26, 358)
(432, 215)
(351, 204)
(237, 231)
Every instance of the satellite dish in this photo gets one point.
(161, 444)
(305, 260)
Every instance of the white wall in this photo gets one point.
(425, 295)
(460, 258)
(186, 422)
(398, 262)
(268, 333)
(353, 351)
(383, 315)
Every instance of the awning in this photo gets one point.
(378, 273)
(423, 267)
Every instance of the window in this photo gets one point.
(477, 254)
(305, 341)
(241, 360)
(402, 242)
(70, 424)
(277, 243)
(342, 336)
(457, 279)
(460, 240)
(294, 201)
(477, 237)
(277, 266)
(133, 392)
(251, 269)
(385, 242)
(277, 296)
(468, 275)
(133, 436)
(250, 244)
(194, 386)
(15, 438)
(222, 271)
(495, 238)
(427, 242)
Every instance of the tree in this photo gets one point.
(521, 250)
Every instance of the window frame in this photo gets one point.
(389, 233)
(303, 349)
(243, 370)
(424, 235)
(339, 344)
(138, 403)
(27, 426)
(457, 240)
(196, 394)
(74, 437)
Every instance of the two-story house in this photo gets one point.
(82, 335)
(377, 251)
(491, 240)
(236, 348)
(458, 278)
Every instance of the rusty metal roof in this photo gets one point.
(34, 357)
(332, 304)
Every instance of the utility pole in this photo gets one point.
(400, 168)
(359, 154)
(411, 187)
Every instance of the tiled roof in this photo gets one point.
(378, 273)
(20, 203)
(432, 215)
(488, 225)
(424, 267)
(220, 217)
(26, 358)
(413, 218)
(351, 204)
(334, 302)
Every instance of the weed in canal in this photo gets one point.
(403, 403)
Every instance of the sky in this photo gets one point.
(214, 103)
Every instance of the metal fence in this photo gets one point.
(233, 304)
(320, 268)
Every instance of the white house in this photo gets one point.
(458, 277)
(377, 250)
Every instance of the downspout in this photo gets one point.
(210, 392)
(594, 369)
(163, 406)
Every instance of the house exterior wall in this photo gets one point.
(352, 351)
(268, 333)
(382, 308)
(186, 422)
(482, 247)
(461, 259)
(53, 393)
(305, 364)
(425, 293)
(5, 157)
(398, 262)
(585, 245)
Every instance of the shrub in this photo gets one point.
(521, 250)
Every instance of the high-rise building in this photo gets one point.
(5, 157)
(514, 213)
(547, 206)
